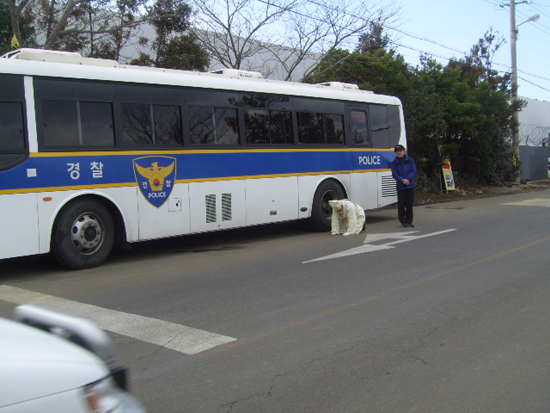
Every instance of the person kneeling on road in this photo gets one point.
(347, 218)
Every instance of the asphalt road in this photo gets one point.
(452, 315)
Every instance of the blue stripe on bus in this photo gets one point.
(102, 169)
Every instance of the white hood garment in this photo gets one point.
(347, 218)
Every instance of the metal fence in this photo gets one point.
(534, 162)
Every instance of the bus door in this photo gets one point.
(359, 127)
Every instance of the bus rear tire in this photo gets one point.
(83, 234)
(321, 212)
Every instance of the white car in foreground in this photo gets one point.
(42, 369)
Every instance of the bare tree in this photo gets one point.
(55, 20)
(235, 30)
(101, 28)
(286, 38)
(118, 22)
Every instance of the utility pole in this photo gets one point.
(515, 115)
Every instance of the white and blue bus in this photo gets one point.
(93, 152)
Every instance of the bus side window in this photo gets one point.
(334, 129)
(213, 126)
(310, 125)
(96, 120)
(74, 123)
(281, 127)
(359, 128)
(268, 127)
(256, 126)
(319, 128)
(13, 148)
(11, 127)
(146, 124)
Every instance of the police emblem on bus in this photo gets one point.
(156, 176)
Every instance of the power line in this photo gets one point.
(494, 3)
(535, 84)
(425, 39)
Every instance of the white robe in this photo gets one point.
(347, 217)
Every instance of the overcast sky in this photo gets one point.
(449, 28)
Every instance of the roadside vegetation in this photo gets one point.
(460, 111)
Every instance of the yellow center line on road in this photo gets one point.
(366, 300)
(163, 333)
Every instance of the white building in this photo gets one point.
(534, 133)
(534, 128)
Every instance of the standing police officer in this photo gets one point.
(403, 170)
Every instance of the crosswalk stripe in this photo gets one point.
(173, 336)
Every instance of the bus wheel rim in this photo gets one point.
(325, 206)
(87, 234)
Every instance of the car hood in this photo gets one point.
(34, 363)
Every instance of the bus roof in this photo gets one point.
(48, 63)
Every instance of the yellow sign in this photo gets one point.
(448, 176)
(14, 42)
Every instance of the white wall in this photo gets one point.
(534, 122)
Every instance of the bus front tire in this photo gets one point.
(321, 212)
(83, 234)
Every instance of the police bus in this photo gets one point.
(93, 152)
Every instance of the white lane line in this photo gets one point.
(394, 238)
(410, 237)
(163, 333)
(542, 202)
(354, 251)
